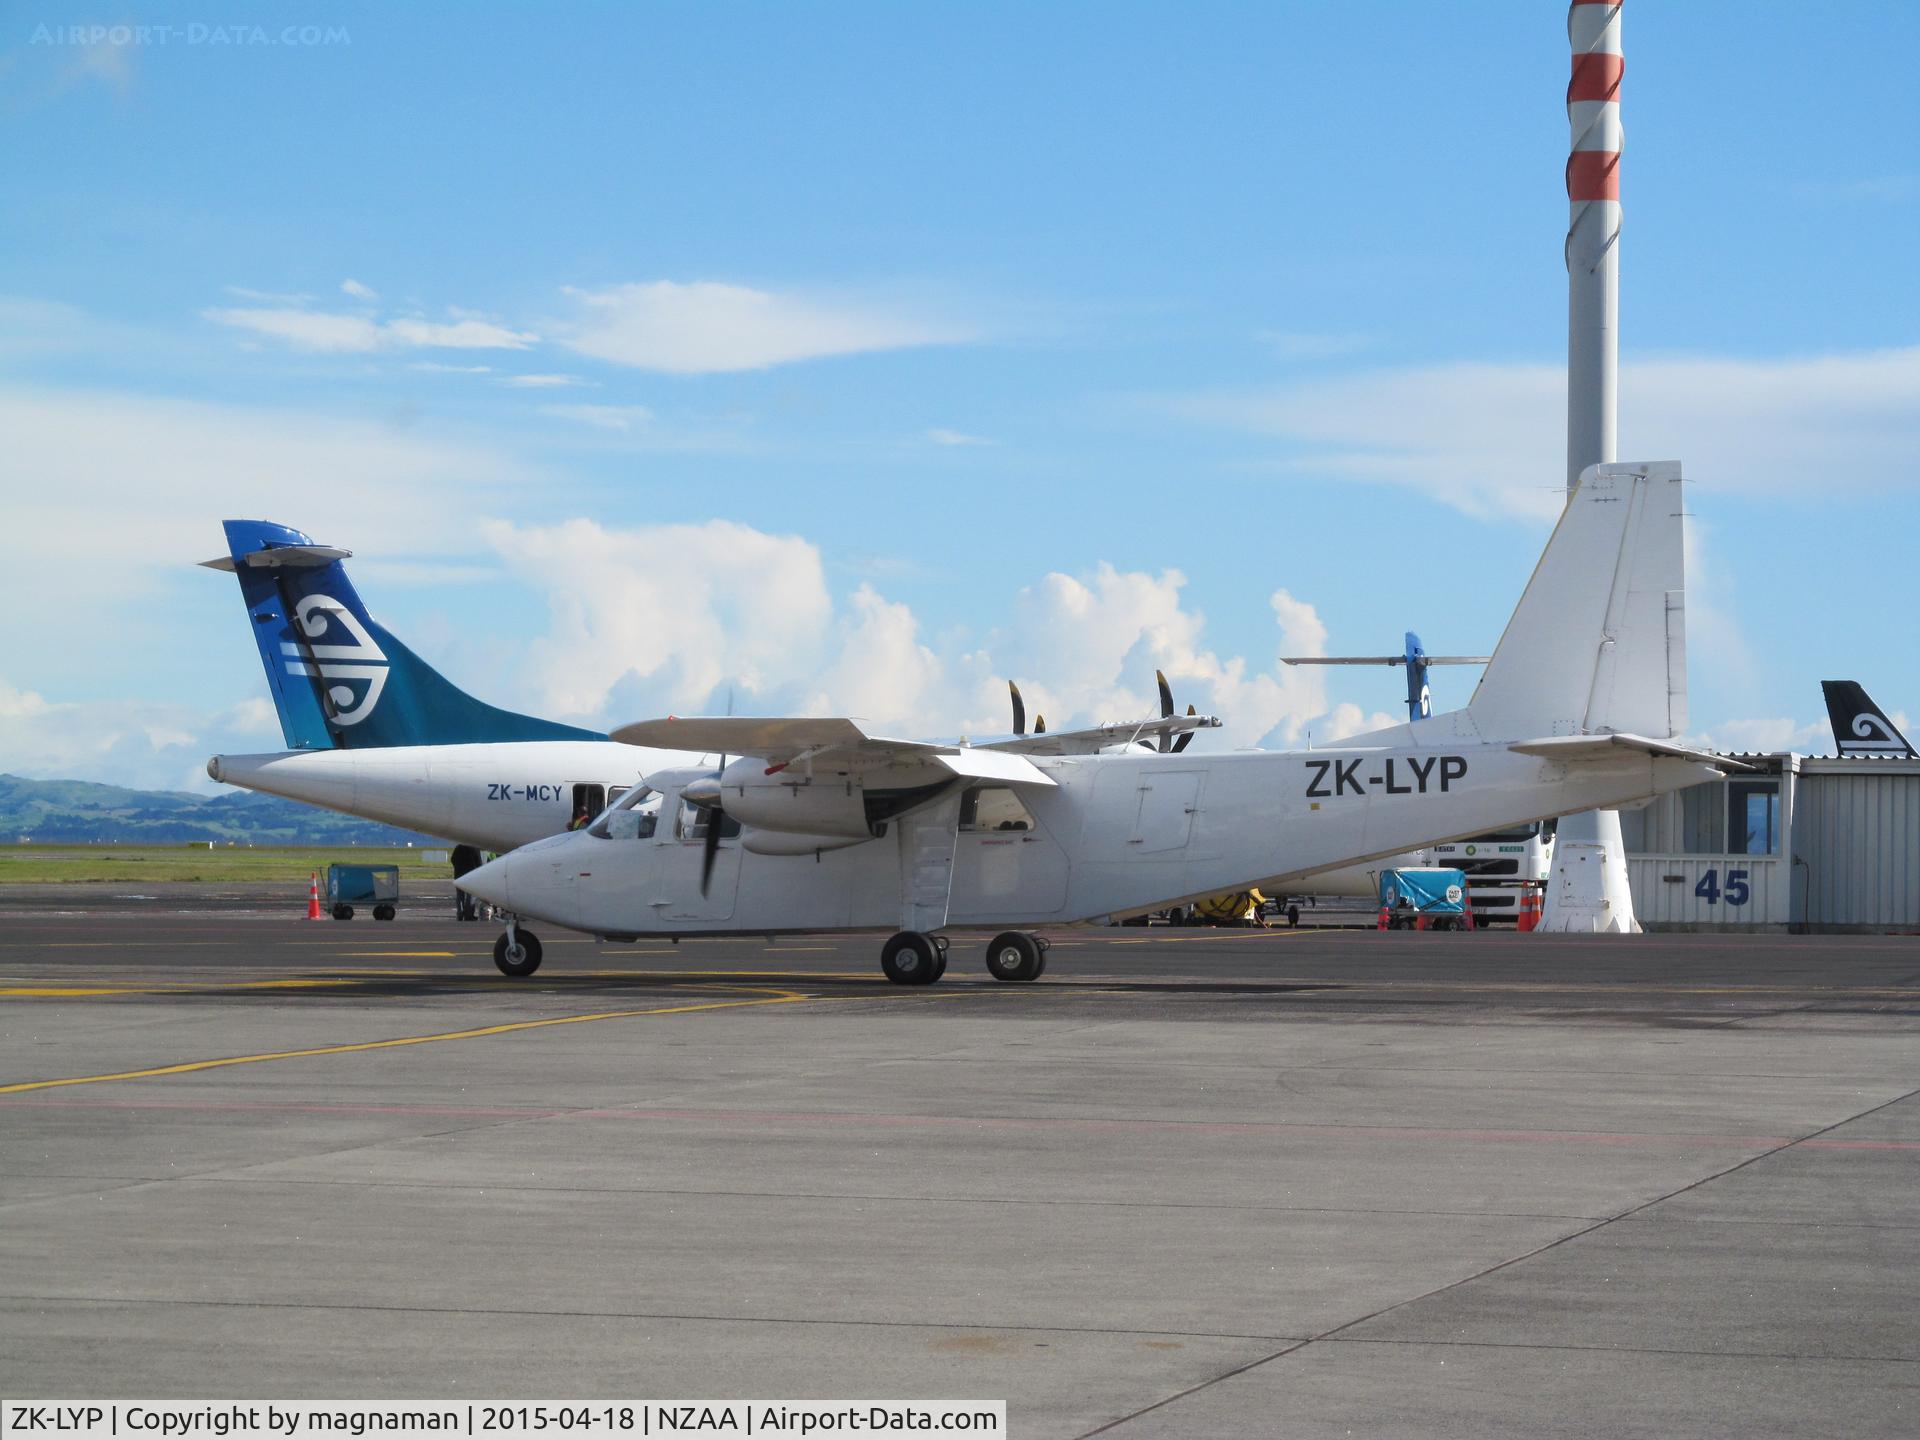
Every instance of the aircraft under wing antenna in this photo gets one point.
(1574, 749)
(781, 741)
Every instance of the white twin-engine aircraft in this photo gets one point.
(841, 829)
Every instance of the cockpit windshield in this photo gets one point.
(632, 817)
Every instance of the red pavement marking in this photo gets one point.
(982, 1122)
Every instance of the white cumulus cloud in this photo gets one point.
(667, 613)
(653, 620)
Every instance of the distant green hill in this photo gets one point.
(77, 811)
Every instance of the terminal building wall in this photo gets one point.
(1797, 844)
(1858, 839)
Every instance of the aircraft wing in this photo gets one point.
(1573, 749)
(1098, 737)
(782, 741)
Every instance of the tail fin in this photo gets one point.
(1597, 644)
(1419, 695)
(338, 679)
(1861, 727)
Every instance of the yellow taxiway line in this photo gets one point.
(784, 997)
(165, 987)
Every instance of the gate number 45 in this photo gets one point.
(1736, 892)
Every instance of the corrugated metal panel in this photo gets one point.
(1674, 892)
(1692, 821)
(1859, 836)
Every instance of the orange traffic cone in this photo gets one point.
(1531, 904)
(313, 897)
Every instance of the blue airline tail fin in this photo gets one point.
(1419, 697)
(339, 679)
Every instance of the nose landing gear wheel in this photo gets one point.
(911, 958)
(1016, 957)
(517, 953)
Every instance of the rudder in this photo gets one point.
(1597, 644)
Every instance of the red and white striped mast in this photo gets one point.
(1589, 890)
(1593, 233)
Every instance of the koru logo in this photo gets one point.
(1875, 734)
(359, 663)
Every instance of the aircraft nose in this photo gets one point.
(489, 882)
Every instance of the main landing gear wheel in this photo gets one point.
(517, 953)
(1016, 957)
(911, 958)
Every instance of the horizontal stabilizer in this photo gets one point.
(278, 557)
(1593, 749)
(1382, 659)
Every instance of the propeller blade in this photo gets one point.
(711, 851)
(1181, 742)
(1166, 706)
(1019, 710)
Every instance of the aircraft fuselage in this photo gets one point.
(492, 796)
(1114, 834)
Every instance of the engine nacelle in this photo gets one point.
(829, 803)
(776, 842)
(817, 805)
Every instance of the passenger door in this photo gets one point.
(1004, 862)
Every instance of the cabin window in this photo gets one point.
(633, 816)
(993, 808)
(692, 824)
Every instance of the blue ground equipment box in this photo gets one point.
(350, 885)
(1424, 899)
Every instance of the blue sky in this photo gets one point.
(855, 357)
